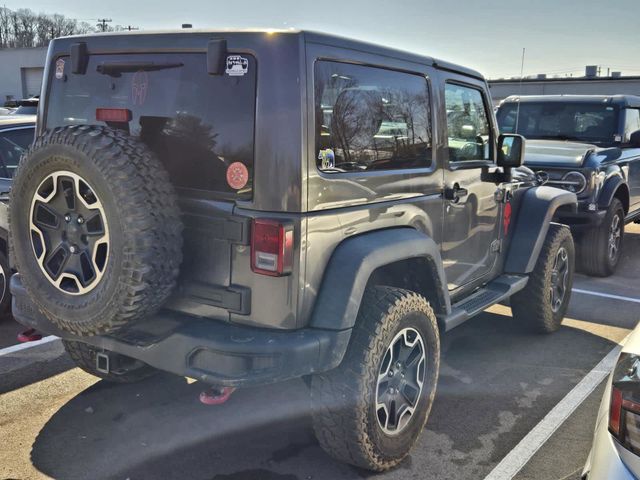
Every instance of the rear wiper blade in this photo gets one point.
(116, 69)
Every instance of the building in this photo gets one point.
(590, 84)
(21, 72)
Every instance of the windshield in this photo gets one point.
(583, 122)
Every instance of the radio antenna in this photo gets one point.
(519, 91)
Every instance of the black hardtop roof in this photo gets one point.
(632, 101)
(308, 35)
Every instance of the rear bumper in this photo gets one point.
(604, 462)
(214, 352)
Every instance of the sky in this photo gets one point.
(560, 36)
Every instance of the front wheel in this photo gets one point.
(542, 304)
(371, 409)
(600, 247)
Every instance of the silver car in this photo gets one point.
(616, 445)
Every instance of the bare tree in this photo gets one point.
(23, 28)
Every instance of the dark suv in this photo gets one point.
(588, 145)
(245, 208)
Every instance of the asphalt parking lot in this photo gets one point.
(498, 382)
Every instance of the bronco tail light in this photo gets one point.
(115, 115)
(624, 409)
(271, 247)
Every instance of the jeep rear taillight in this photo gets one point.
(271, 247)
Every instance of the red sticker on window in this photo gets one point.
(237, 175)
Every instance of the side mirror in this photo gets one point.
(510, 150)
(634, 139)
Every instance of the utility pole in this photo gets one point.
(102, 24)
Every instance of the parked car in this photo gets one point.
(319, 218)
(588, 145)
(16, 134)
(616, 444)
(28, 106)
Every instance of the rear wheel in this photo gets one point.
(542, 304)
(371, 409)
(600, 247)
(121, 369)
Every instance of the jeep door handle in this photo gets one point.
(455, 193)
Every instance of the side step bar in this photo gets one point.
(499, 289)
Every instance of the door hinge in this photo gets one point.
(496, 246)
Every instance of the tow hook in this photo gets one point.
(216, 395)
(30, 335)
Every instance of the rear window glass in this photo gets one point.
(371, 118)
(198, 124)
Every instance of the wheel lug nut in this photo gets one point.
(73, 249)
(67, 218)
(80, 220)
(391, 373)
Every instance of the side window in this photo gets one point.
(13, 143)
(631, 122)
(371, 118)
(468, 128)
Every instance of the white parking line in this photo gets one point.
(24, 346)
(606, 295)
(536, 438)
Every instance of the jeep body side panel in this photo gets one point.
(344, 205)
(353, 262)
(537, 208)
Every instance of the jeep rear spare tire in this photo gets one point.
(95, 228)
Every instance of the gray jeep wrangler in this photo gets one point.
(245, 208)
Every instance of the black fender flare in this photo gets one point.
(609, 190)
(537, 207)
(353, 262)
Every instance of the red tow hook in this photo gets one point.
(30, 335)
(216, 395)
